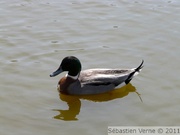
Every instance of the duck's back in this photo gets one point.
(104, 75)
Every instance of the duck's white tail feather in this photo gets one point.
(135, 72)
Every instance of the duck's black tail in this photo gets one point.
(135, 72)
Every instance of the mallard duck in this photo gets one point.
(91, 81)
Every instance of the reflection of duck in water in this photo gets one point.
(91, 81)
(74, 108)
(74, 102)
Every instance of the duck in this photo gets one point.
(91, 81)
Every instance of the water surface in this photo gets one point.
(36, 35)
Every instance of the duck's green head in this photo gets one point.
(70, 64)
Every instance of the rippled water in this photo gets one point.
(36, 35)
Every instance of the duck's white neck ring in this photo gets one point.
(73, 77)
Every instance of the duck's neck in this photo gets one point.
(73, 77)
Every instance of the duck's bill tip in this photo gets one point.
(51, 75)
(54, 74)
(58, 71)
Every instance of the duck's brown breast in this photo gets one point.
(64, 84)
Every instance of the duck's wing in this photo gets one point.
(97, 77)
(109, 76)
